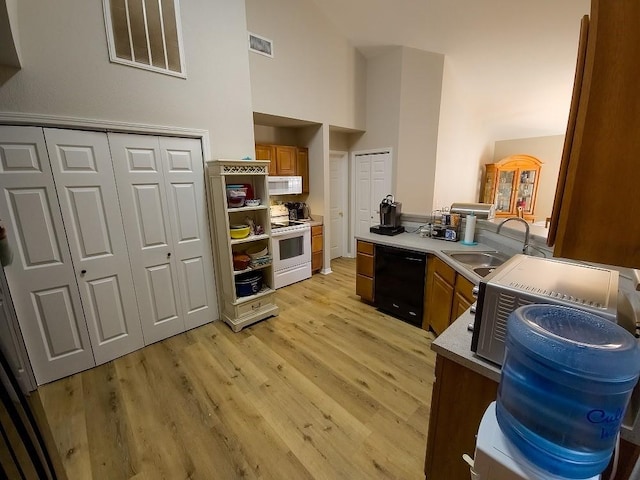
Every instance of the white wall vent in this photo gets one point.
(260, 45)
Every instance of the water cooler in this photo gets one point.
(565, 383)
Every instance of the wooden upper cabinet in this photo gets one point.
(512, 184)
(267, 152)
(303, 168)
(286, 160)
(599, 172)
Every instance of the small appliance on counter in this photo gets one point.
(444, 225)
(390, 212)
(485, 211)
(523, 280)
(297, 210)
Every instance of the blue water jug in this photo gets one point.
(566, 380)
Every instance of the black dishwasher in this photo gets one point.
(399, 283)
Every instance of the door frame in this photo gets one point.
(344, 172)
(352, 209)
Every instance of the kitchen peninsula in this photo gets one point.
(465, 383)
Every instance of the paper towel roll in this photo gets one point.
(470, 229)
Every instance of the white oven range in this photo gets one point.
(291, 248)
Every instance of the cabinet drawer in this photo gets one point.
(365, 247)
(464, 288)
(316, 261)
(254, 306)
(445, 271)
(364, 287)
(364, 265)
(316, 230)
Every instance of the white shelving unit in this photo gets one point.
(237, 311)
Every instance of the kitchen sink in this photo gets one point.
(481, 263)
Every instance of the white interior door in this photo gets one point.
(338, 203)
(138, 167)
(184, 183)
(41, 277)
(83, 174)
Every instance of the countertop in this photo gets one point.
(455, 342)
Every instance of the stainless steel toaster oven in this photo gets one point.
(523, 280)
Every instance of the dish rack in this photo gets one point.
(444, 225)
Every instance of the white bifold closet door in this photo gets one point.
(41, 278)
(161, 188)
(372, 183)
(84, 179)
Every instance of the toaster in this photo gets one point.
(523, 280)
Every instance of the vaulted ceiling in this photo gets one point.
(514, 60)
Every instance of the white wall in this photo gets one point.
(549, 151)
(403, 106)
(66, 71)
(420, 94)
(463, 145)
(315, 74)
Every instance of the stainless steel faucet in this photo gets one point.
(525, 246)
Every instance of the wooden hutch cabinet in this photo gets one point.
(512, 183)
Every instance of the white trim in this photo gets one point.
(42, 120)
(260, 37)
(326, 271)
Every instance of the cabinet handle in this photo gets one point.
(169, 255)
(82, 272)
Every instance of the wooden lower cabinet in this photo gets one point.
(447, 295)
(460, 398)
(462, 297)
(458, 402)
(365, 269)
(316, 248)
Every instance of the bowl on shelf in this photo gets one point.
(241, 261)
(256, 251)
(236, 196)
(239, 231)
(254, 202)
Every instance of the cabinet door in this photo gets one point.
(267, 152)
(527, 189)
(440, 304)
(602, 172)
(41, 277)
(184, 183)
(302, 168)
(460, 305)
(505, 191)
(83, 174)
(141, 188)
(286, 160)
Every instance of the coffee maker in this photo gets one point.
(390, 211)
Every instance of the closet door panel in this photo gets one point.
(141, 188)
(41, 277)
(83, 173)
(184, 179)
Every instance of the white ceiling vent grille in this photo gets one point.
(145, 34)
(260, 45)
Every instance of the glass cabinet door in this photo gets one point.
(504, 191)
(526, 190)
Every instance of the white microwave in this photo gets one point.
(285, 185)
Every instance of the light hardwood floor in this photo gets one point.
(329, 389)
